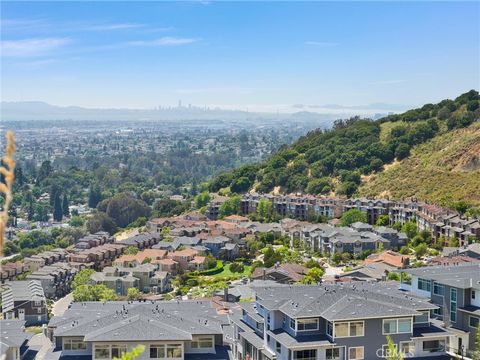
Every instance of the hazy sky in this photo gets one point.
(257, 55)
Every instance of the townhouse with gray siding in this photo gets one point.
(342, 321)
(167, 329)
(456, 292)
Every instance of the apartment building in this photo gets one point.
(25, 301)
(373, 208)
(55, 279)
(96, 258)
(342, 321)
(456, 292)
(145, 277)
(94, 240)
(10, 271)
(356, 239)
(168, 330)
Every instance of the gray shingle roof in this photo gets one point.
(136, 321)
(22, 291)
(460, 276)
(358, 300)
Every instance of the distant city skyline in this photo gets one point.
(264, 57)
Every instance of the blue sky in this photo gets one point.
(261, 56)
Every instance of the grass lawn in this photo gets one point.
(227, 273)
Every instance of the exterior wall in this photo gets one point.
(373, 339)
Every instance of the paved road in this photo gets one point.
(61, 305)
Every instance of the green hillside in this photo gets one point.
(361, 156)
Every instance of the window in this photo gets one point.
(39, 310)
(438, 312)
(438, 289)
(102, 352)
(37, 303)
(356, 328)
(473, 294)
(305, 355)
(453, 305)
(332, 354)
(341, 329)
(473, 322)
(174, 351)
(202, 342)
(292, 323)
(349, 329)
(307, 324)
(390, 326)
(421, 319)
(157, 351)
(355, 353)
(434, 346)
(74, 344)
(424, 285)
(118, 350)
(278, 347)
(397, 326)
(407, 348)
(329, 328)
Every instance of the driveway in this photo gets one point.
(61, 305)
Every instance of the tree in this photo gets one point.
(240, 185)
(312, 264)
(131, 250)
(402, 151)
(420, 250)
(337, 258)
(229, 207)
(94, 196)
(265, 210)
(410, 228)
(236, 267)
(392, 352)
(453, 242)
(319, 186)
(76, 221)
(383, 220)
(202, 199)
(82, 277)
(313, 275)
(65, 209)
(133, 294)
(44, 171)
(353, 215)
(393, 276)
(100, 221)
(124, 209)
(57, 208)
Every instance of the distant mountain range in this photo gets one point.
(36, 110)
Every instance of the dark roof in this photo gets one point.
(30, 290)
(12, 334)
(356, 300)
(137, 321)
(462, 276)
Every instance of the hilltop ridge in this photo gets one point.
(430, 152)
